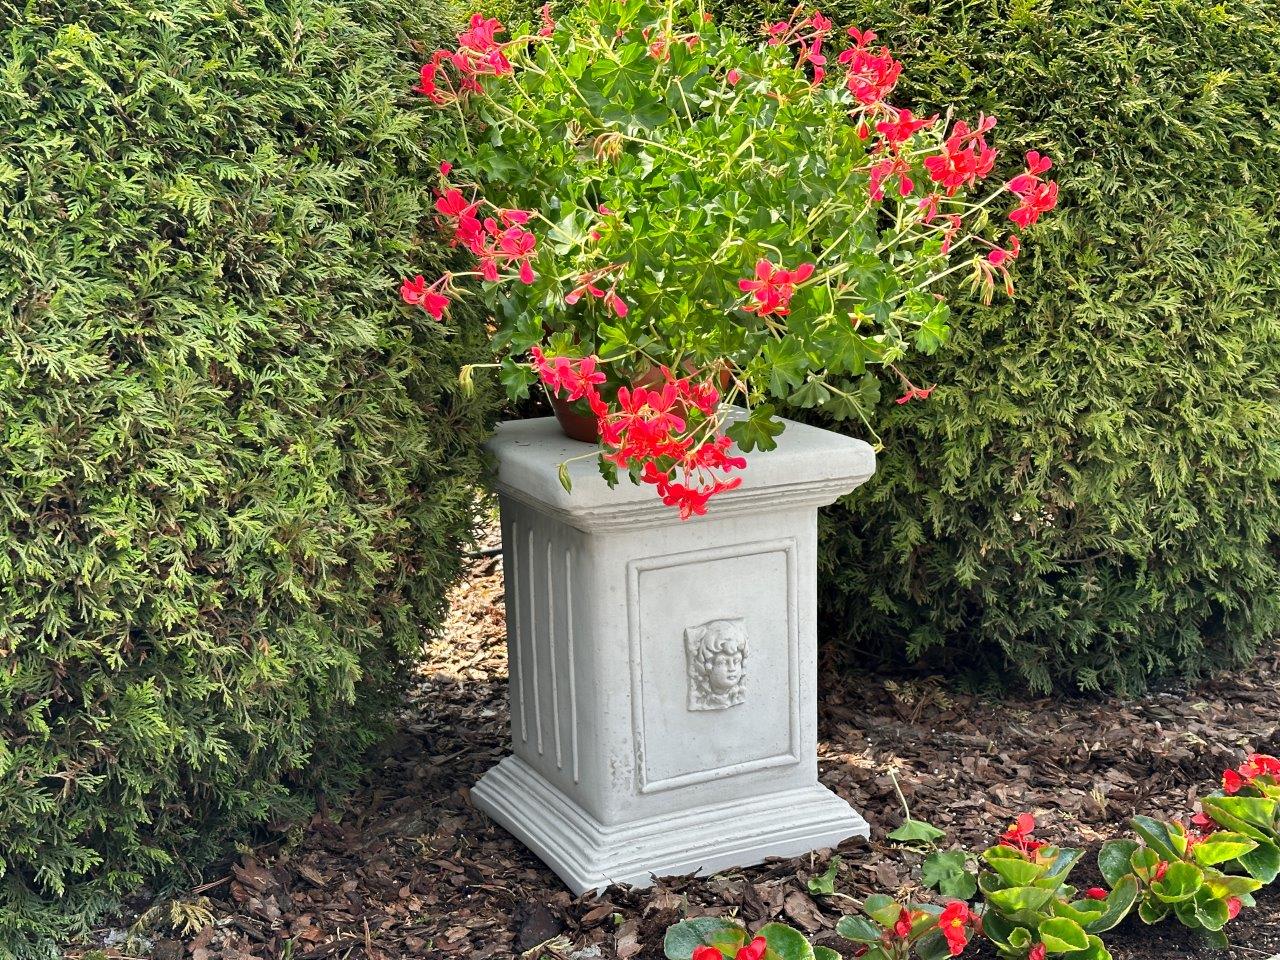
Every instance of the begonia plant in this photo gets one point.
(1179, 873)
(889, 930)
(1032, 913)
(1205, 872)
(667, 220)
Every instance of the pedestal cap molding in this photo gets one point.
(811, 467)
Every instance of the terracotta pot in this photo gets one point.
(583, 426)
(576, 426)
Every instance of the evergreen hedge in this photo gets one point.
(234, 476)
(1090, 497)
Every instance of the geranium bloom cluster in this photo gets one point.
(451, 74)
(1037, 196)
(650, 430)
(873, 73)
(429, 298)
(587, 284)
(896, 132)
(499, 243)
(773, 287)
(965, 158)
(806, 34)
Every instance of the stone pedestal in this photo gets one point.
(663, 673)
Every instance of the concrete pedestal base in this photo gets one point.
(663, 673)
(587, 855)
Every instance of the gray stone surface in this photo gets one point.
(663, 673)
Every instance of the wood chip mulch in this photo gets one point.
(407, 868)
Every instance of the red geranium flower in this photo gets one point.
(773, 287)
(1096, 893)
(1036, 196)
(431, 300)
(903, 127)
(1038, 952)
(872, 73)
(965, 157)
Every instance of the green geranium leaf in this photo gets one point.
(516, 377)
(813, 393)
(756, 431)
(825, 953)
(948, 873)
(825, 883)
(786, 366)
(917, 831)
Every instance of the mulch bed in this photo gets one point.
(407, 868)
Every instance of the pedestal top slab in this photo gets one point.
(810, 467)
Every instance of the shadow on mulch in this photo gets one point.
(407, 868)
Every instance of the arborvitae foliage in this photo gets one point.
(1090, 497)
(234, 475)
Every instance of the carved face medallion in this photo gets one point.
(716, 654)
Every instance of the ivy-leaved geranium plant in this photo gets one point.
(667, 219)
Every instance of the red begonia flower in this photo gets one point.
(903, 925)
(953, 923)
(1019, 833)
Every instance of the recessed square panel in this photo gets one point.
(713, 655)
